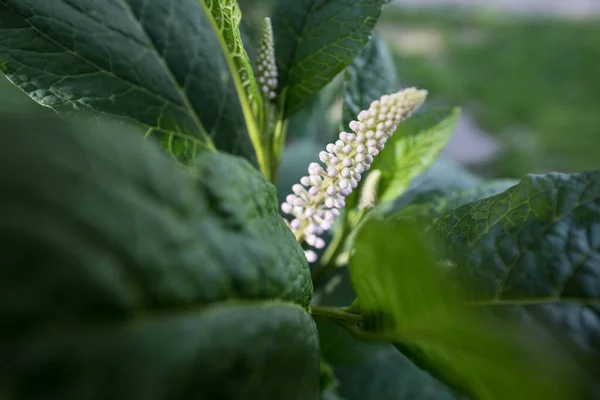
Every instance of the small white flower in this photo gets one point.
(317, 200)
(311, 256)
(267, 67)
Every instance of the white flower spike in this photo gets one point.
(267, 68)
(316, 201)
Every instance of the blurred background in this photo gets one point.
(525, 72)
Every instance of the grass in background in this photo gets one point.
(533, 84)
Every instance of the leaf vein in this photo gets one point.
(181, 92)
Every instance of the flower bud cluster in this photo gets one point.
(368, 193)
(267, 68)
(316, 201)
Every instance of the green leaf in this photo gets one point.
(317, 120)
(533, 252)
(412, 149)
(387, 374)
(248, 40)
(371, 75)
(243, 195)
(406, 300)
(109, 200)
(157, 63)
(370, 371)
(315, 40)
(374, 371)
(118, 269)
(199, 354)
(444, 176)
(225, 17)
(427, 207)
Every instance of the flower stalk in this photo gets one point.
(317, 200)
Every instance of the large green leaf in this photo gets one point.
(136, 202)
(444, 176)
(241, 193)
(406, 300)
(315, 40)
(533, 251)
(154, 62)
(371, 75)
(182, 354)
(412, 149)
(371, 371)
(375, 371)
(428, 206)
(113, 258)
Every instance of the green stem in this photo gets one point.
(352, 322)
(277, 147)
(337, 313)
(328, 260)
(277, 136)
(266, 138)
(252, 121)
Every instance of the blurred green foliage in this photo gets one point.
(532, 83)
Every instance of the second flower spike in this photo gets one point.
(267, 67)
(316, 201)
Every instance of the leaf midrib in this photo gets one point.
(254, 131)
